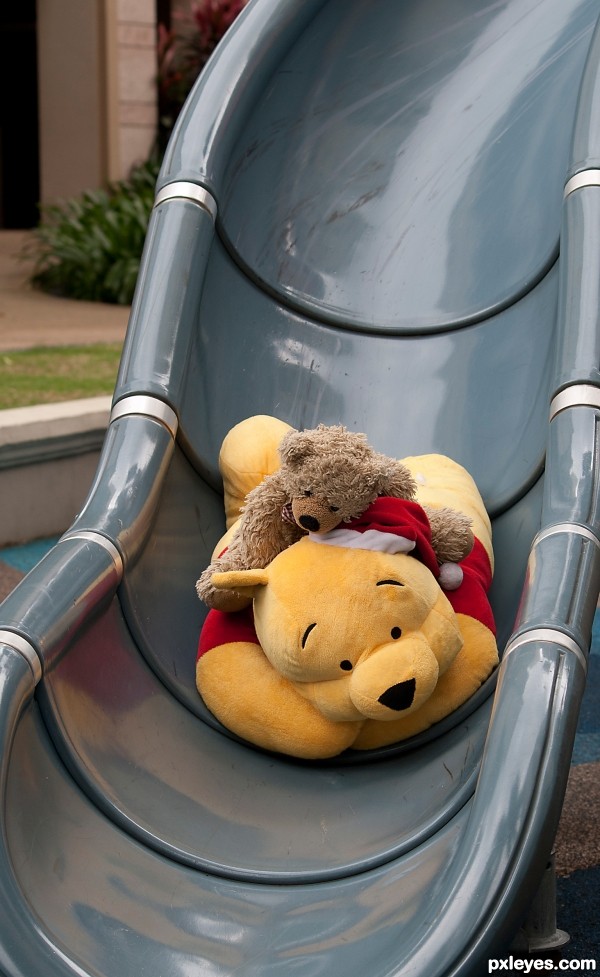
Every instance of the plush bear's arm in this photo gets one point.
(262, 534)
(219, 600)
(451, 534)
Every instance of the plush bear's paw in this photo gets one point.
(243, 690)
(220, 599)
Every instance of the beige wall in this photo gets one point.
(137, 95)
(72, 151)
(97, 91)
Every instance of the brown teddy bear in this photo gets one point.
(327, 476)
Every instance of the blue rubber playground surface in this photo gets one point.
(578, 841)
(24, 558)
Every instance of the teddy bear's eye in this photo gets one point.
(334, 508)
(307, 493)
(396, 633)
(346, 665)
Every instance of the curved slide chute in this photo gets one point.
(357, 220)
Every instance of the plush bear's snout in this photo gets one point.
(406, 670)
(399, 696)
(315, 513)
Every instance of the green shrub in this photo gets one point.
(90, 247)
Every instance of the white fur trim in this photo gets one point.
(371, 539)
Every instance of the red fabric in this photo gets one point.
(402, 518)
(221, 628)
(471, 597)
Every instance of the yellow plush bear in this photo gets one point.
(351, 641)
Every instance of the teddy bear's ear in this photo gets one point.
(394, 479)
(296, 446)
(240, 580)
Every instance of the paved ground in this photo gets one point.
(30, 318)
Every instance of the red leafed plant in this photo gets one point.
(184, 49)
(212, 18)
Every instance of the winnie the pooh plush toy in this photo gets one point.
(321, 478)
(351, 641)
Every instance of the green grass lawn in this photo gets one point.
(45, 375)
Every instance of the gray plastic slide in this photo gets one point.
(357, 220)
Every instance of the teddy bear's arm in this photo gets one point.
(219, 600)
(261, 535)
(263, 532)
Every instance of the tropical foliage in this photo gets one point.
(90, 247)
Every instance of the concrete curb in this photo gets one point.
(48, 458)
(29, 434)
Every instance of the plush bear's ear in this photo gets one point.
(394, 479)
(240, 580)
(296, 446)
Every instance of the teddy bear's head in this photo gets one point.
(331, 475)
(379, 659)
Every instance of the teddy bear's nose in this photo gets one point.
(309, 522)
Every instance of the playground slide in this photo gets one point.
(357, 220)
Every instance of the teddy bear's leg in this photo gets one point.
(451, 534)
(443, 482)
(243, 690)
(474, 662)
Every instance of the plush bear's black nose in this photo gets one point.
(400, 696)
(309, 522)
